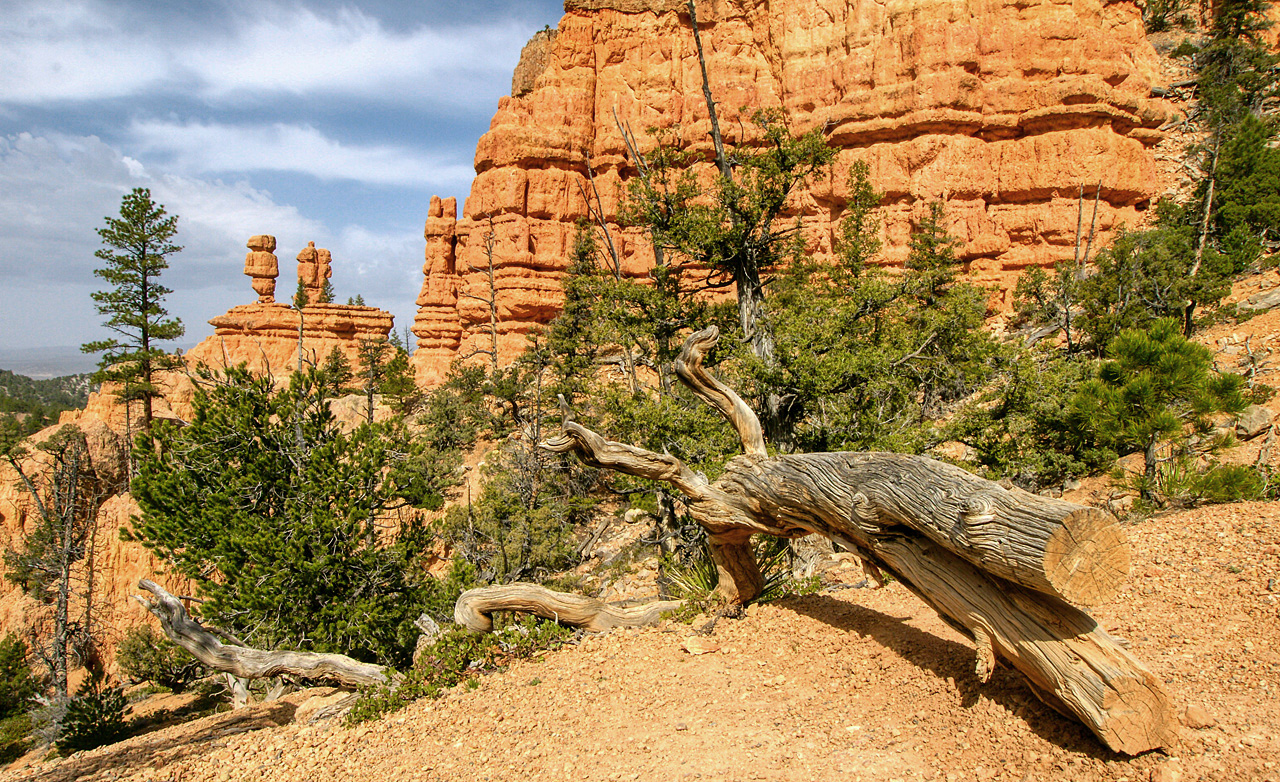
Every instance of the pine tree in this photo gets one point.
(54, 563)
(1156, 385)
(739, 232)
(138, 244)
(864, 356)
(284, 541)
(572, 337)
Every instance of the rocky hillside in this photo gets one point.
(847, 684)
(999, 110)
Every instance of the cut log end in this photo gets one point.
(1139, 717)
(1087, 558)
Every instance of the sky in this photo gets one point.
(315, 120)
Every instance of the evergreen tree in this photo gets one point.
(572, 337)
(864, 357)
(54, 563)
(1148, 275)
(284, 539)
(138, 244)
(18, 685)
(1248, 192)
(336, 372)
(1155, 386)
(1021, 426)
(738, 233)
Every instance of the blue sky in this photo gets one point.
(332, 122)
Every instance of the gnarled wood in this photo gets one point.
(1060, 649)
(475, 607)
(715, 393)
(1000, 565)
(243, 661)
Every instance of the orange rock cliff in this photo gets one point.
(1000, 110)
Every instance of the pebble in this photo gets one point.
(1196, 717)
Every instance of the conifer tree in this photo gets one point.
(138, 244)
(1156, 385)
(572, 337)
(284, 540)
(54, 563)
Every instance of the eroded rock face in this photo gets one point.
(118, 564)
(264, 335)
(1001, 110)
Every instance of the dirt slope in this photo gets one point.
(855, 684)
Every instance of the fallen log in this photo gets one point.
(1002, 566)
(474, 608)
(246, 662)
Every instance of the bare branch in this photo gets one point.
(245, 662)
(715, 393)
(475, 606)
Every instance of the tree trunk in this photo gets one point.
(1000, 565)
(244, 662)
(475, 607)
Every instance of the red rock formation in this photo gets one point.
(118, 563)
(260, 264)
(314, 269)
(1000, 110)
(264, 335)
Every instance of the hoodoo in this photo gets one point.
(264, 334)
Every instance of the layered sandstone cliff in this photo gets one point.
(1000, 109)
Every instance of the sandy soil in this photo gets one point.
(855, 684)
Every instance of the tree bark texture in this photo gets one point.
(475, 607)
(245, 662)
(1001, 565)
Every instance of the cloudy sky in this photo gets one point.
(313, 120)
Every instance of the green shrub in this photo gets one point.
(1157, 386)
(147, 656)
(15, 737)
(1229, 483)
(17, 684)
(1020, 427)
(458, 655)
(1180, 483)
(95, 716)
(273, 510)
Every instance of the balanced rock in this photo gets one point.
(265, 335)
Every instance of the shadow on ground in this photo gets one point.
(167, 746)
(947, 659)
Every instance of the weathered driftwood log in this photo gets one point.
(475, 607)
(1000, 565)
(243, 661)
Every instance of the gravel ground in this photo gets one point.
(850, 685)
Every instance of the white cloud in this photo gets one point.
(84, 50)
(55, 190)
(211, 147)
(296, 50)
(73, 50)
